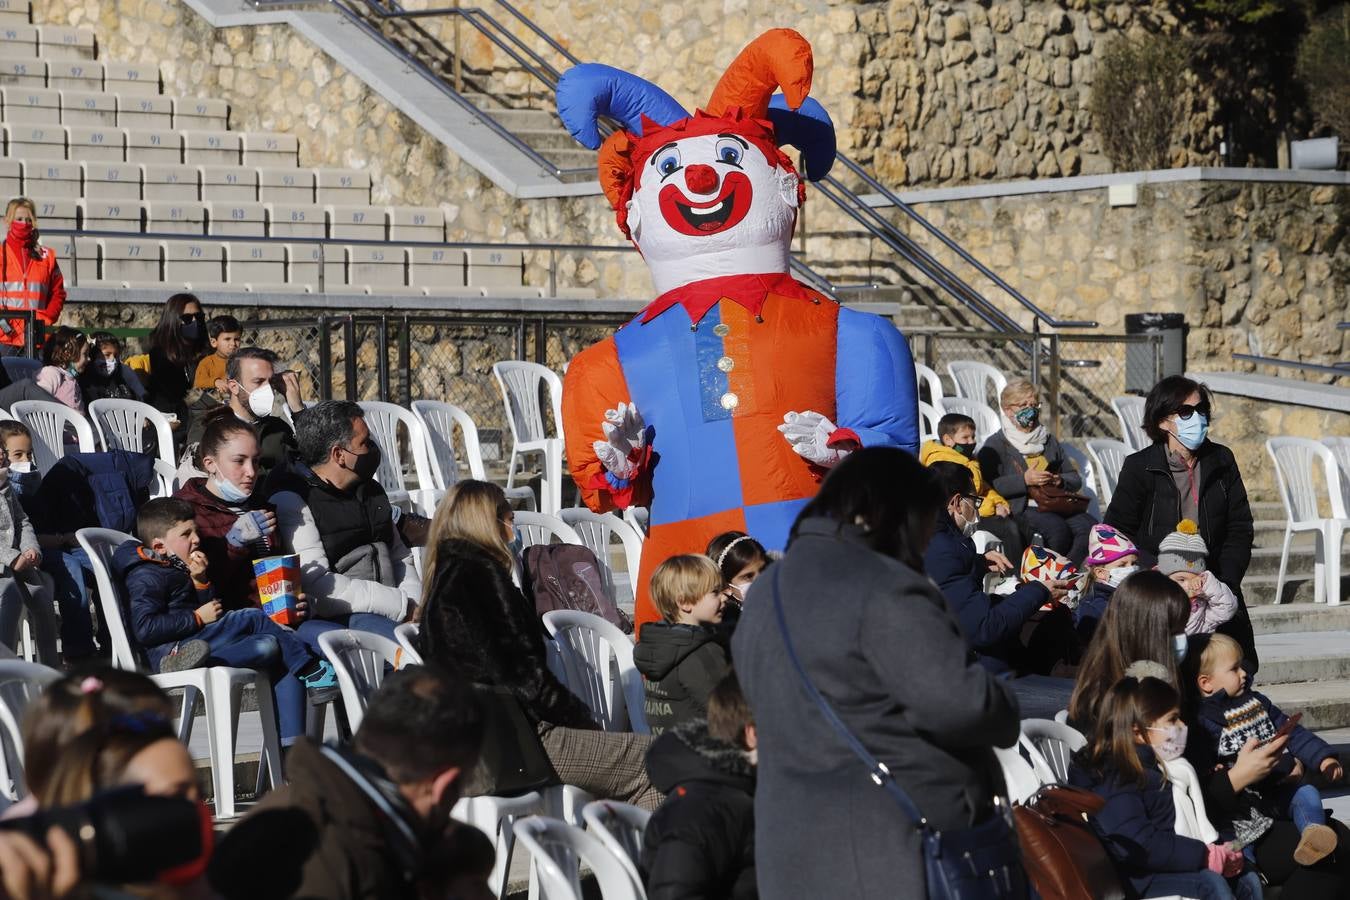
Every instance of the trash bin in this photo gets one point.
(1140, 365)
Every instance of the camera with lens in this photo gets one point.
(124, 836)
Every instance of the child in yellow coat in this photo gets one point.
(956, 444)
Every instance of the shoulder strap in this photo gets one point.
(880, 774)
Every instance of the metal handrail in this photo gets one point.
(956, 248)
(1340, 370)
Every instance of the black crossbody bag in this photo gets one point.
(977, 863)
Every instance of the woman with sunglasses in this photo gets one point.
(1185, 475)
(174, 347)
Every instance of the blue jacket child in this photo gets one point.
(178, 622)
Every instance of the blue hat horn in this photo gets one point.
(591, 90)
(809, 129)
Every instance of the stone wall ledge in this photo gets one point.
(1096, 182)
(1278, 390)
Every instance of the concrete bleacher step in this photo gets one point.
(1306, 670)
(1300, 618)
(1324, 704)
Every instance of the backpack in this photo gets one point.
(567, 576)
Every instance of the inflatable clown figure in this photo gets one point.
(722, 405)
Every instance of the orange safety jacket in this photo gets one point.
(30, 282)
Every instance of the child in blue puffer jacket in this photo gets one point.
(1140, 726)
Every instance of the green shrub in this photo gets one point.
(1324, 69)
(1138, 97)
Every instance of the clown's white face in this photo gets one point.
(712, 205)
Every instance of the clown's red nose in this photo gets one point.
(701, 179)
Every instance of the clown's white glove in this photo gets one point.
(625, 439)
(809, 434)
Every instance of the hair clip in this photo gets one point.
(721, 557)
(91, 685)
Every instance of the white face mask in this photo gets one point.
(260, 401)
(1173, 743)
(108, 365)
(1115, 576)
(23, 467)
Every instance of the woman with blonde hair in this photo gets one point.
(475, 620)
(30, 278)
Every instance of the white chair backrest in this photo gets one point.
(358, 659)
(596, 530)
(20, 683)
(383, 420)
(438, 425)
(99, 544)
(974, 381)
(619, 826)
(1130, 412)
(166, 478)
(1083, 464)
(1296, 461)
(928, 421)
(541, 528)
(1340, 451)
(121, 426)
(520, 383)
(406, 635)
(1019, 777)
(48, 423)
(986, 420)
(929, 379)
(1108, 456)
(598, 660)
(557, 849)
(1055, 742)
(19, 368)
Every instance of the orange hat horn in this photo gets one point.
(777, 57)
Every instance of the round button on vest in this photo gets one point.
(730, 401)
(726, 364)
(722, 330)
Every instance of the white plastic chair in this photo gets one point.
(48, 423)
(439, 421)
(1055, 742)
(928, 422)
(496, 817)
(1295, 461)
(521, 384)
(1019, 778)
(929, 379)
(557, 848)
(620, 826)
(20, 684)
(1108, 456)
(220, 687)
(166, 479)
(383, 420)
(596, 531)
(358, 659)
(598, 660)
(541, 528)
(1130, 412)
(974, 380)
(1340, 450)
(406, 635)
(121, 426)
(986, 420)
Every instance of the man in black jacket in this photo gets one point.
(1169, 481)
(250, 376)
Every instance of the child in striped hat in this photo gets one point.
(1182, 557)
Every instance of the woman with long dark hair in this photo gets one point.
(879, 642)
(174, 346)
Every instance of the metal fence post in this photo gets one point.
(540, 342)
(1157, 340)
(325, 359)
(349, 360)
(552, 272)
(1036, 352)
(405, 359)
(382, 356)
(1054, 380)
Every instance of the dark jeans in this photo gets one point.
(248, 639)
(1063, 534)
(1204, 885)
(74, 577)
(310, 629)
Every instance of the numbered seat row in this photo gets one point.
(86, 143)
(275, 220)
(48, 41)
(57, 179)
(77, 98)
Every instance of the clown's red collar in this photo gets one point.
(750, 291)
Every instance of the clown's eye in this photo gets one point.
(729, 151)
(669, 163)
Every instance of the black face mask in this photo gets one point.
(966, 450)
(191, 329)
(368, 463)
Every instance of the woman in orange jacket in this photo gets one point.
(30, 278)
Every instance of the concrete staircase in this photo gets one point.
(1305, 661)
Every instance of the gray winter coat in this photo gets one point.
(879, 642)
(1005, 468)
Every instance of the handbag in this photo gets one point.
(976, 863)
(1053, 499)
(513, 760)
(1063, 856)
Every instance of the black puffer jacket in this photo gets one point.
(1146, 507)
(701, 842)
(680, 665)
(476, 622)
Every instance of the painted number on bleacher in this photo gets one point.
(96, 137)
(34, 100)
(213, 142)
(147, 106)
(53, 172)
(176, 212)
(133, 75)
(231, 178)
(114, 175)
(37, 134)
(437, 255)
(256, 253)
(297, 215)
(358, 218)
(288, 180)
(237, 213)
(155, 140)
(172, 179)
(11, 34)
(419, 220)
(133, 249)
(48, 209)
(76, 71)
(20, 69)
(114, 211)
(495, 258)
(344, 181)
(194, 251)
(377, 256)
(271, 144)
(91, 104)
(201, 109)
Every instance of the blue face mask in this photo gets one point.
(517, 544)
(228, 490)
(1179, 647)
(1193, 431)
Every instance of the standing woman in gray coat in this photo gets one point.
(878, 641)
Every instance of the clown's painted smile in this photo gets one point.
(724, 211)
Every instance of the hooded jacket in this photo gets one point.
(162, 599)
(936, 452)
(1226, 723)
(701, 842)
(1138, 824)
(991, 623)
(680, 665)
(228, 568)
